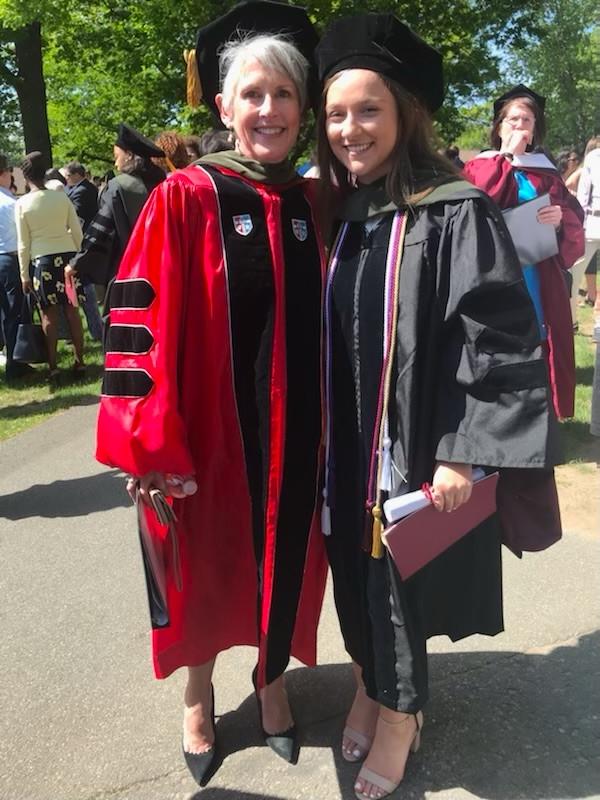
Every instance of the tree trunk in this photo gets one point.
(31, 89)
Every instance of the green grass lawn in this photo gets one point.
(30, 400)
(27, 401)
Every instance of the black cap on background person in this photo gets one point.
(384, 44)
(519, 91)
(134, 142)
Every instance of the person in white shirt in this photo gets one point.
(49, 235)
(588, 194)
(11, 296)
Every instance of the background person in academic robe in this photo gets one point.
(84, 196)
(512, 173)
(121, 202)
(49, 234)
(213, 375)
(466, 382)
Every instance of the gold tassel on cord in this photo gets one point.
(377, 542)
(193, 84)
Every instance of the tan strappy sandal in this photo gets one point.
(385, 785)
(361, 740)
(361, 744)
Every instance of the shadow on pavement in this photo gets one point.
(232, 794)
(500, 725)
(75, 497)
(55, 403)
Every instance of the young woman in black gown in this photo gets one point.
(423, 278)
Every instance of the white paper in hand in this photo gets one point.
(399, 507)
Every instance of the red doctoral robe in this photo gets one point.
(495, 175)
(213, 368)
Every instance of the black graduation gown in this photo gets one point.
(470, 386)
(107, 235)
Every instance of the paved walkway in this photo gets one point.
(81, 718)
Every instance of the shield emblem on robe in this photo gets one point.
(300, 229)
(242, 224)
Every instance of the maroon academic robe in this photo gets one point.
(213, 368)
(495, 175)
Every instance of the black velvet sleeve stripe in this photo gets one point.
(101, 230)
(135, 293)
(99, 227)
(129, 339)
(92, 259)
(126, 383)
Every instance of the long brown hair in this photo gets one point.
(416, 164)
(539, 129)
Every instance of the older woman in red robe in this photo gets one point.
(212, 388)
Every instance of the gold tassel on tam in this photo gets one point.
(376, 542)
(193, 84)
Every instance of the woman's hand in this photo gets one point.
(516, 143)
(27, 287)
(170, 485)
(550, 215)
(70, 272)
(451, 486)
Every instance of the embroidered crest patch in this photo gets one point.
(300, 229)
(242, 224)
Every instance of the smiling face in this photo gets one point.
(361, 122)
(264, 113)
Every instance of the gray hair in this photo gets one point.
(75, 168)
(273, 52)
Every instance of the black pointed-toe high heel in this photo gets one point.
(284, 744)
(199, 764)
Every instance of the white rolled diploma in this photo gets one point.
(399, 507)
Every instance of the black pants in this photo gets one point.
(11, 298)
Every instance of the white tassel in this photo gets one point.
(387, 476)
(326, 519)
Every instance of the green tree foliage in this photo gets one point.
(475, 124)
(563, 63)
(121, 60)
(21, 68)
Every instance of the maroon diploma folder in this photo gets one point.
(418, 538)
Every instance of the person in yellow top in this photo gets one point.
(49, 235)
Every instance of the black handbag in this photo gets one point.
(30, 346)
